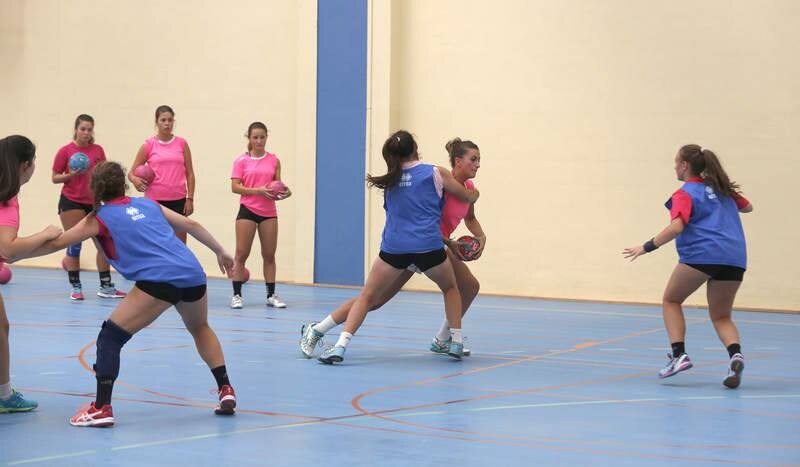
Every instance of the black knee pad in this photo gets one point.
(109, 345)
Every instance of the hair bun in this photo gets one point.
(452, 143)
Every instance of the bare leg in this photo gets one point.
(102, 263)
(5, 351)
(444, 277)
(380, 274)
(68, 220)
(685, 280)
(268, 236)
(245, 233)
(468, 285)
(721, 295)
(195, 317)
(388, 291)
(137, 310)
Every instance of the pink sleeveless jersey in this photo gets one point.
(167, 162)
(256, 172)
(454, 211)
(9, 213)
(77, 188)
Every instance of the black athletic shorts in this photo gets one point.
(66, 204)
(720, 272)
(422, 261)
(249, 215)
(170, 293)
(177, 205)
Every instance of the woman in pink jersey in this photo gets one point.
(252, 173)
(76, 202)
(171, 160)
(465, 159)
(17, 156)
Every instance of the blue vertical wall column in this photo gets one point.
(341, 140)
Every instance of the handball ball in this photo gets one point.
(467, 247)
(64, 263)
(145, 173)
(245, 275)
(276, 187)
(78, 162)
(5, 274)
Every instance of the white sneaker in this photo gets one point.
(735, 368)
(276, 302)
(236, 302)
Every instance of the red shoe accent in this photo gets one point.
(227, 401)
(88, 415)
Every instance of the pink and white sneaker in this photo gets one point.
(110, 292)
(77, 293)
(227, 401)
(675, 365)
(90, 416)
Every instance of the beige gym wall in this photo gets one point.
(579, 107)
(219, 65)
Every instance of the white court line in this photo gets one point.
(561, 404)
(163, 442)
(45, 373)
(627, 401)
(507, 352)
(157, 366)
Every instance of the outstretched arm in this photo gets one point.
(451, 185)
(85, 229)
(665, 236)
(14, 248)
(196, 230)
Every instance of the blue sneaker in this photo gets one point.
(16, 403)
(675, 365)
(456, 350)
(442, 347)
(332, 355)
(310, 339)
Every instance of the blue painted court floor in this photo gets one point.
(549, 383)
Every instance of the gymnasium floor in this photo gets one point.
(549, 383)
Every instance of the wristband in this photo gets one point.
(649, 245)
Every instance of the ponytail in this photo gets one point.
(705, 164)
(397, 149)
